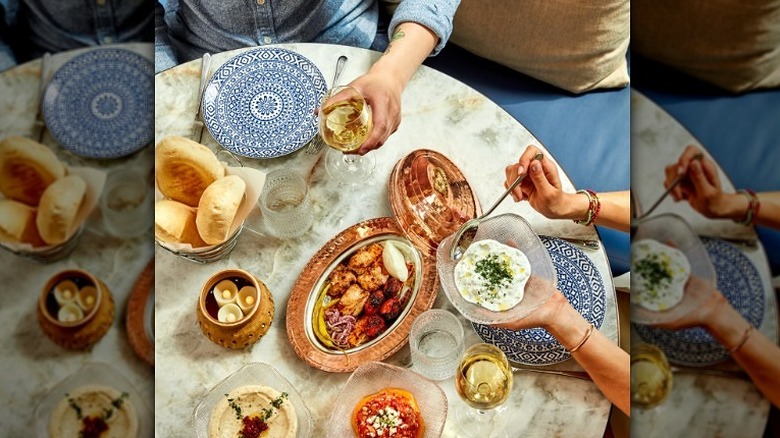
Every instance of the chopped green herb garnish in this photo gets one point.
(494, 272)
(655, 272)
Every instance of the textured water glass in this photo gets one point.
(127, 203)
(437, 343)
(285, 204)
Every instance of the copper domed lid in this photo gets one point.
(430, 198)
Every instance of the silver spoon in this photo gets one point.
(44, 81)
(674, 184)
(575, 374)
(317, 143)
(455, 250)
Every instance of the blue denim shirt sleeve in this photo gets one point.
(7, 59)
(164, 56)
(436, 15)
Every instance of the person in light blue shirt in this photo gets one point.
(186, 29)
(41, 26)
(7, 58)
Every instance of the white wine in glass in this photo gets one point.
(345, 124)
(484, 382)
(651, 376)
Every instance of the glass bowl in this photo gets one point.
(673, 230)
(93, 373)
(511, 230)
(373, 377)
(255, 373)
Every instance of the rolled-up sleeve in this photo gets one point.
(164, 57)
(436, 15)
(7, 59)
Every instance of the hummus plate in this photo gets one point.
(93, 390)
(251, 389)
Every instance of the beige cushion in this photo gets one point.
(734, 44)
(572, 44)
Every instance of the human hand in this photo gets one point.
(701, 186)
(547, 313)
(542, 188)
(702, 303)
(383, 94)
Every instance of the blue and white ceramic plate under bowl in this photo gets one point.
(581, 283)
(97, 103)
(261, 103)
(740, 283)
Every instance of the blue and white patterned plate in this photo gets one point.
(740, 283)
(581, 283)
(98, 104)
(260, 104)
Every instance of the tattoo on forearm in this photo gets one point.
(396, 36)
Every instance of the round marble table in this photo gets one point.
(699, 405)
(33, 364)
(439, 113)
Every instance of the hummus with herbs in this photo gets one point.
(94, 411)
(492, 275)
(254, 411)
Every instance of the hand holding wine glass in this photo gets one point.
(345, 124)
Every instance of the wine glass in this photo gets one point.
(651, 376)
(345, 123)
(484, 382)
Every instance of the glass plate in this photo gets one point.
(673, 230)
(372, 377)
(511, 230)
(255, 373)
(93, 373)
(97, 104)
(260, 103)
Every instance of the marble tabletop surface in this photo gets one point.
(33, 364)
(439, 113)
(699, 405)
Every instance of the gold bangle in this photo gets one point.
(584, 338)
(745, 337)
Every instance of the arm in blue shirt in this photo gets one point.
(164, 56)
(7, 59)
(436, 15)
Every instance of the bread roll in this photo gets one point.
(184, 169)
(58, 208)
(17, 223)
(174, 222)
(27, 168)
(218, 207)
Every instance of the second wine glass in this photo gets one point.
(484, 382)
(345, 124)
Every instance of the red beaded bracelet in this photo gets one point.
(753, 207)
(594, 207)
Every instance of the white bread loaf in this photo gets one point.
(174, 222)
(184, 169)
(17, 223)
(59, 206)
(27, 168)
(218, 207)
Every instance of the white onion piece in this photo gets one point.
(394, 261)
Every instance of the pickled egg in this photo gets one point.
(65, 292)
(247, 297)
(229, 313)
(70, 312)
(225, 292)
(87, 298)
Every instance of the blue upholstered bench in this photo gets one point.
(742, 132)
(588, 134)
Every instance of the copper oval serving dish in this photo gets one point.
(308, 287)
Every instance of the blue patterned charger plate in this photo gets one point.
(740, 283)
(581, 283)
(260, 104)
(98, 104)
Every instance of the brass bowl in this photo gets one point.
(247, 330)
(82, 333)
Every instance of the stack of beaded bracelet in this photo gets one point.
(753, 205)
(594, 207)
